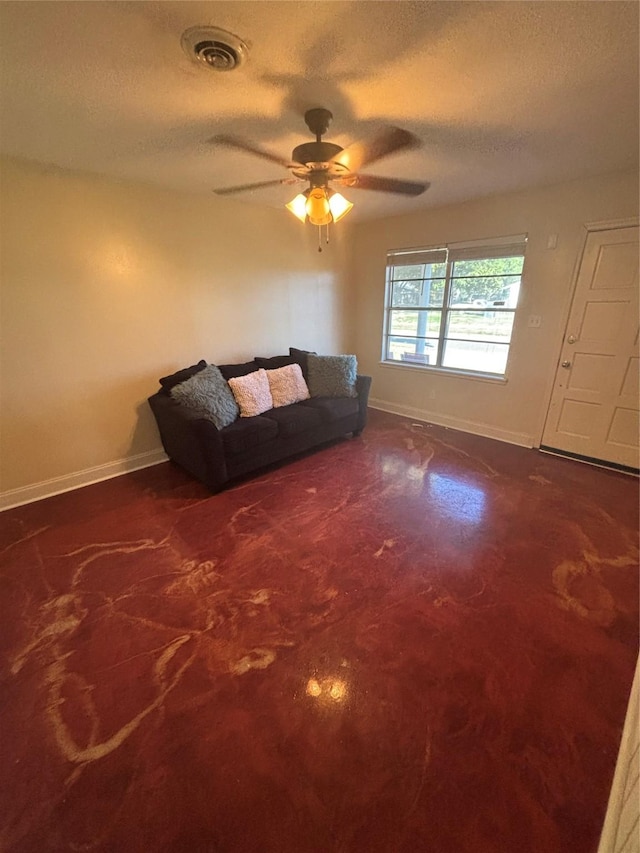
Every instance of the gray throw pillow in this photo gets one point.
(332, 375)
(208, 394)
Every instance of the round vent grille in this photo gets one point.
(214, 48)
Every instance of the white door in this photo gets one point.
(594, 405)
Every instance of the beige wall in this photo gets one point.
(514, 410)
(107, 286)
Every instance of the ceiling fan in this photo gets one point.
(325, 165)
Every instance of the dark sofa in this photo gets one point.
(216, 456)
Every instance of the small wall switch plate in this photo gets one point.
(534, 321)
(552, 241)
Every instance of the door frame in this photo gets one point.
(588, 228)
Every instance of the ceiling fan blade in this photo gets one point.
(249, 148)
(360, 154)
(383, 185)
(244, 187)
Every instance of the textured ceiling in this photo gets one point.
(502, 95)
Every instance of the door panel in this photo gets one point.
(624, 427)
(615, 265)
(631, 378)
(594, 405)
(590, 372)
(601, 322)
(575, 416)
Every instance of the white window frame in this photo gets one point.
(513, 246)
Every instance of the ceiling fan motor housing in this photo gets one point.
(315, 152)
(317, 156)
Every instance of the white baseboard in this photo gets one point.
(475, 427)
(68, 482)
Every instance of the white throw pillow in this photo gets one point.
(287, 385)
(252, 393)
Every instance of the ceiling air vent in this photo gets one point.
(215, 48)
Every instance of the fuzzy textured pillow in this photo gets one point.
(332, 375)
(209, 394)
(287, 385)
(252, 393)
(169, 382)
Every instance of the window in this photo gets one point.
(453, 307)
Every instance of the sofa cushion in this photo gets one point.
(287, 385)
(168, 382)
(275, 362)
(300, 355)
(208, 394)
(252, 393)
(292, 420)
(246, 433)
(229, 371)
(332, 375)
(333, 408)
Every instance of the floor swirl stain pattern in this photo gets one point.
(416, 640)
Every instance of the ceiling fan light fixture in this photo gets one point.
(319, 206)
(298, 206)
(339, 205)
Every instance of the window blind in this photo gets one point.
(500, 247)
(404, 257)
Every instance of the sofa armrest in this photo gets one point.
(190, 440)
(363, 386)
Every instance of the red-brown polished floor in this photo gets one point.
(418, 640)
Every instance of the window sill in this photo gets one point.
(447, 371)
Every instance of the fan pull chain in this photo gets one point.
(320, 236)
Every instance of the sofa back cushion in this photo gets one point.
(287, 385)
(252, 393)
(275, 361)
(332, 375)
(208, 393)
(230, 371)
(300, 355)
(168, 382)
